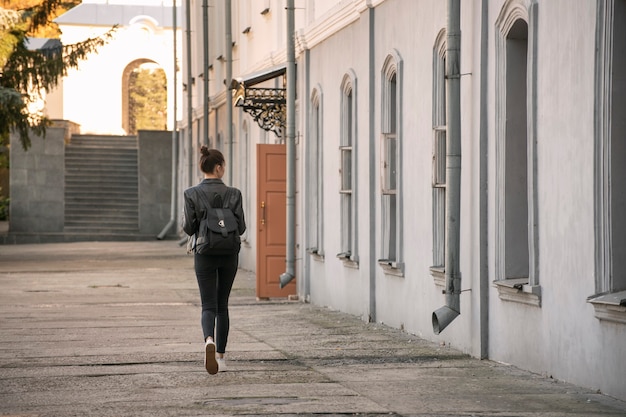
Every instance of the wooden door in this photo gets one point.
(271, 222)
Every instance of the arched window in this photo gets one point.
(439, 154)
(610, 159)
(144, 97)
(315, 182)
(347, 158)
(391, 165)
(517, 254)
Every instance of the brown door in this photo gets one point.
(271, 222)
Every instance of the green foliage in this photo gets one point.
(10, 22)
(4, 157)
(14, 116)
(25, 73)
(148, 100)
(4, 207)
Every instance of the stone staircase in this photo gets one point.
(101, 188)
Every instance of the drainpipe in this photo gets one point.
(289, 274)
(229, 96)
(373, 244)
(484, 146)
(172, 221)
(190, 152)
(205, 69)
(445, 315)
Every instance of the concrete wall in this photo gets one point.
(155, 181)
(38, 182)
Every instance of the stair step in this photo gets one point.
(90, 139)
(97, 231)
(117, 148)
(100, 187)
(103, 163)
(86, 159)
(90, 224)
(95, 178)
(83, 141)
(104, 212)
(76, 214)
(96, 198)
(97, 174)
(81, 160)
(101, 173)
(105, 150)
(88, 201)
(99, 179)
(117, 170)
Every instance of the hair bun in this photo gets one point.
(204, 150)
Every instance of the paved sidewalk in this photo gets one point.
(113, 329)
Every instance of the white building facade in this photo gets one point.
(543, 212)
(95, 95)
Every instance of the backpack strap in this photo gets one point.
(205, 200)
(226, 197)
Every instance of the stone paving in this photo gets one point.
(113, 329)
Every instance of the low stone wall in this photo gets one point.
(155, 181)
(37, 182)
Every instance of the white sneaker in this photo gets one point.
(221, 364)
(209, 357)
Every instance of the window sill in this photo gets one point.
(316, 255)
(519, 291)
(392, 267)
(347, 260)
(439, 275)
(610, 307)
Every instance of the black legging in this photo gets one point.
(215, 275)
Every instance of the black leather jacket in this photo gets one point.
(194, 207)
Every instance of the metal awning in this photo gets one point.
(267, 106)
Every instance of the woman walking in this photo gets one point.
(215, 273)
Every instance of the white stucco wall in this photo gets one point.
(563, 338)
(92, 94)
(407, 301)
(332, 283)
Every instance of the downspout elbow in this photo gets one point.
(167, 227)
(286, 278)
(442, 317)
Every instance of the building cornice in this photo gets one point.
(337, 18)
